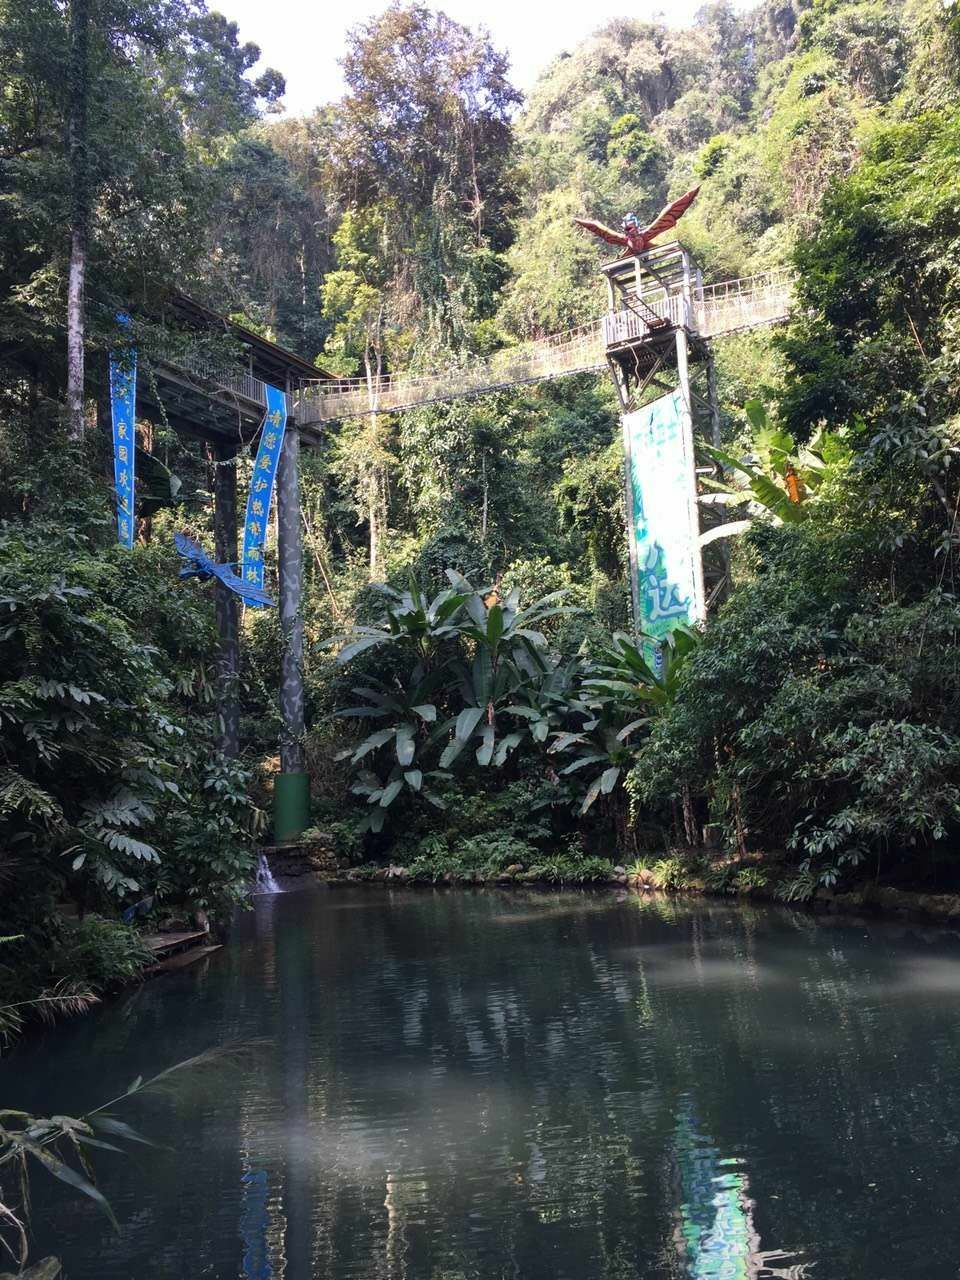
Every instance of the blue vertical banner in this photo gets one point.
(261, 486)
(123, 406)
(662, 518)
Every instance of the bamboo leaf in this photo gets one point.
(107, 1124)
(71, 1177)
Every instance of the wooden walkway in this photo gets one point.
(721, 309)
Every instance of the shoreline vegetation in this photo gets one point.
(863, 898)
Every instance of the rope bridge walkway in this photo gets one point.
(730, 307)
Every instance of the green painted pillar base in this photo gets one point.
(291, 805)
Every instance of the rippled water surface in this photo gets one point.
(453, 1085)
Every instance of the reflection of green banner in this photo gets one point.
(663, 528)
(716, 1224)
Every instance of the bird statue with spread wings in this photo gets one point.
(633, 237)
(199, 565)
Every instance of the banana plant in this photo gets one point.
(620, 695)
(380, 793)
(409, 618)
(474, 652)
(783, 482)
(509, 655)
(622, 677)
(409, 712)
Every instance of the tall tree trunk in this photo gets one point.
(373, 369)
(79, 211)
(373, 509)
(225, 602)
(689, 818)
(486, 499)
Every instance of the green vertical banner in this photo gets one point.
(666, 577)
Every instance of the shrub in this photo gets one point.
(101, 954)
(670, 874)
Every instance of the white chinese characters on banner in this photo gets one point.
(663, 528)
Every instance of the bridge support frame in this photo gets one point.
(653, 348)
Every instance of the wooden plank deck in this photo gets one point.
(165, 944)
(182, 959)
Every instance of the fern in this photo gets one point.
(19, 795)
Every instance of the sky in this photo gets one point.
(305, 38)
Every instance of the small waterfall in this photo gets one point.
(265, 882)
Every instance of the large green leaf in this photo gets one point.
(485, 750)
(451, 751)
(581, 763)
(592, 792)
(374, 741)
(351, 651)
(506, 744)
(390, 793)
(777, 500)
(406, 744)
(756, 412)
(494, 625)
(608, 779)
(467, 721)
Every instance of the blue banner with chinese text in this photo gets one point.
(123, 403)
(261, 486)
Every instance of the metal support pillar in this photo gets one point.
(291, 790)
(713, 400)
(228, 626)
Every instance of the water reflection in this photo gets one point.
(716, 1237)
(605, 1090)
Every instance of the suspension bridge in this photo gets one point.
(709, 311)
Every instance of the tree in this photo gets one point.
(355, 299)
(132, 200)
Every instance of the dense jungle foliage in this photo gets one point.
(475, 701)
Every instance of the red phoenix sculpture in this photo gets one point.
(633, 237)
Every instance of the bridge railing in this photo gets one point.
(734, 305)
(231, 382)
(575, 351)
(722, 308)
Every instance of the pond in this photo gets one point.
(459, 1085)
